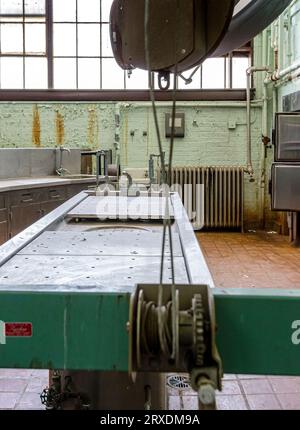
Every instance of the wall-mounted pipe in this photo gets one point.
(250, 71)
(281, 74)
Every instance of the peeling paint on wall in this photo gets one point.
(60, 129)
(36, 127)
(93, 129)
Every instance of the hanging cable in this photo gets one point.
(162, 337)
(168, 217)
(166, 179)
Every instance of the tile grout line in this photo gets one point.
(243, 393)
(21, 395)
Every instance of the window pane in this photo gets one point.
(196, 81)
(88, 73)
(105, 9)
(106, 45)
(65, 73)
(227, 65)
(35, 39)
(213, 73)
(35, 7)
(89, 10)
(112, 75)
(36, 73)
(239, 68)
(138, 80)
(11, 7)
(11, 73)
(11, 38)
(89, 40)
(64, 40)
(64, 10)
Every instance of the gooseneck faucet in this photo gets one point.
(61, 171)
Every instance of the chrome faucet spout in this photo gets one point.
(61, 171)
(129, 177)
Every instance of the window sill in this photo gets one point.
(120, 95)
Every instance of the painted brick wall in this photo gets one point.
(70, 124)
(215, 133)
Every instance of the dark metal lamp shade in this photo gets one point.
(185, 32)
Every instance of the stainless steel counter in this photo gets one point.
(47, 181)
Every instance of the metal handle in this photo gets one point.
(27, 200)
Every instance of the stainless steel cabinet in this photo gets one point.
(23, 216)
(19, 209)
(25, 208)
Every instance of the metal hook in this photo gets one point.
(164, 77)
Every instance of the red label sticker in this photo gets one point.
(18, 329)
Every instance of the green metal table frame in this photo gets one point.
(258, 330)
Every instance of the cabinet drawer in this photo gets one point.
(58, 193)
(25, 197)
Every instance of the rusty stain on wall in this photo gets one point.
(36, 127)
(60, 129)
(93, 129)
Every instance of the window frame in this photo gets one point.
(20, 19)
(52, 94)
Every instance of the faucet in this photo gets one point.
(61, 171)
(125, 184)
(129, 178)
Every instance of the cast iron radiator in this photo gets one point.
(212, 196)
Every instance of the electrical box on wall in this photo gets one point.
(179, 130)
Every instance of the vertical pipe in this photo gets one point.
(250, 71)
(249, 149)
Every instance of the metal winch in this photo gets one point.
(151, 336)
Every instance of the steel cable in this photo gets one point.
(163, 336)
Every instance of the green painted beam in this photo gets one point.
(69, 331)
(258, 331)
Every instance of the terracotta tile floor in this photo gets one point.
(258, 260)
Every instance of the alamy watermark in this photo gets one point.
(296, 332)
(139, 202)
